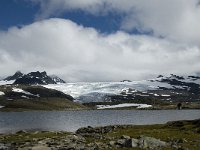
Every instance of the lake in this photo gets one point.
(72, 120)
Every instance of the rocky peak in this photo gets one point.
(17, 75)
(57, 79)
(36, 77)
(177, 77)
(37, 74)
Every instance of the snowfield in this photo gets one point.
(97, 91)
(123, 105)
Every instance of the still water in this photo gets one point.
(72, 120)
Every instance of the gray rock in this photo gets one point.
(121, 142)
(112, 143)
(98, 130)
(76, 138)
(125, 137)
(40, 147)
(133, 142)
(21, 132)
(151, 143)
(3, 146)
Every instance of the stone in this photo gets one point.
(3, 146)
(121, 142)
(125, 137)
(40, 147)
(133, 142)
(149, 142)
(112, 143)
(21, 132)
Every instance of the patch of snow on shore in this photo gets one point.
(123, 105)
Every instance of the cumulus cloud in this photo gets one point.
(77, 53)
(173, 19)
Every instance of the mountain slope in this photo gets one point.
(25, 98)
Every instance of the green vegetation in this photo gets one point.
(184, 133)
(31, 136)
(40, 104)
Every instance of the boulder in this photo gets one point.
(151, 143)
(133, 142)
(40, 147)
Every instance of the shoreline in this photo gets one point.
(15, 111)
(91, 109)
(174, 134)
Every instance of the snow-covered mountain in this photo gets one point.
(31, 78)
(171, 88)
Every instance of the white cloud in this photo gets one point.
(173, 19)
(77, 53)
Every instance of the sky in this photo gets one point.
(100, 40)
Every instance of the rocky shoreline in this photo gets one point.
(179, 135)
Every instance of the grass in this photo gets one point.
(40, 104)
(188, 132)
(31, 136)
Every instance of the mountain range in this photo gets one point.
(166, 88)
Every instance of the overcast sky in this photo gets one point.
(100, 40)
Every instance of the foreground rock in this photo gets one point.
(142, 142)
(78, 142)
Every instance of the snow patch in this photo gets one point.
(156, 94)
(18, 90)
(123, 105)
(2, 107)
(164, 95)
(23, 96)
(2, 93)
(4, 82)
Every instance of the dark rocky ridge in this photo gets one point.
(34, 78)
(17, 75)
